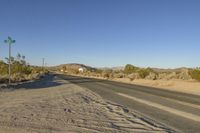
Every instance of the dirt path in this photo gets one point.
(54, 105)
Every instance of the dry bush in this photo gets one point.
(133, 76)
(20, 70)
(151, 76)
(118, 75)
(143, 72)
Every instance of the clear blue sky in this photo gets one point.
(155, 33)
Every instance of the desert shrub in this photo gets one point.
(3, 68)
(20, 70)
(184, 74)
(27, 70)
(167, 75)
(162, 75)
(36, 69)
(130, 69)
(18, 67)
(151, 76)
(195, 74)
(144, 72)
(99, 71)
(107, 73)
(118, 75)
(133, 76)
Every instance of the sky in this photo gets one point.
(103, 33)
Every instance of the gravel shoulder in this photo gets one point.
(55, 105)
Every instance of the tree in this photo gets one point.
(23, 61)
(19, 56)
(12, 59)
(130, 69)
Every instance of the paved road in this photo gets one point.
(178, 110)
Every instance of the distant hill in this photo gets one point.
(118, 68)
(129, 71)
(75, 66)
(169, 70)
(112, 68)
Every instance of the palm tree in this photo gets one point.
(9, 41)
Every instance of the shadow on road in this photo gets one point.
(50, 80)
(79, 80)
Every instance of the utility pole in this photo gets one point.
(43, 62)
(9, 41)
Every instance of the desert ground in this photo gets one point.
(56, 105)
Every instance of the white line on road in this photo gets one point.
(183, 103)
(100, 83)
(168, 109)
(172, 100)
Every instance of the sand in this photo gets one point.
(54, 105)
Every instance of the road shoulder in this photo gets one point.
(56, 105)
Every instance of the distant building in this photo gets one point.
(81, 69)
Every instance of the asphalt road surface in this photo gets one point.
(177, 110)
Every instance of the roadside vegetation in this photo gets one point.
(133, 72)
(20, 70)
(195, 73)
